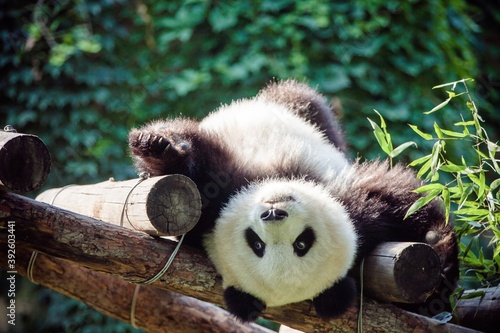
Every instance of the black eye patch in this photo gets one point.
(304, 242)
(255, 243)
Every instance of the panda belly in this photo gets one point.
(268, 139)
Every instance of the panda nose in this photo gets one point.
(273, 214)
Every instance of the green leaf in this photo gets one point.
(450, 167)
(454, 83)
(495, 184)
(399, 149)
(465, 123)
(429, 187)
(440, 106)
(381, 137)
(438, 131)
(445, 194)
(472, 212)
(421, 202)
(454, 134)
(426, 136)
(420, 160)
(474, 294)
(424, 168)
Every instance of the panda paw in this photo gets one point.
(335, 300)
(148, 144)
(158, 151)
(242, 305)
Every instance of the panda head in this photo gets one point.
(282, 241)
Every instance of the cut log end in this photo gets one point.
(24, 162)
(174, 205)
(402, 272)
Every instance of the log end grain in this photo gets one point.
(402, 272)
(417, 271)
(24, 162)
(174, 205)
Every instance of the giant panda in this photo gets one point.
(286, 215)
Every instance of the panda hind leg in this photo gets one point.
(164, 147)
(335, 301)
(308, 104)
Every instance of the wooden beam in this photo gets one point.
(24, 161)
(161, 206)
(136, 257)
(145, 307)
(480, 309)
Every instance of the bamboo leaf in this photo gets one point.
(454, 83)
(450, 167)
(445, 194)
(429, 187)
(420, 160)
(380, 136)
(421, 202)
(426, 136)
(454, 134)
(424, 168)
(438, 131)
(440, 106)
(399, 149)
(465, 123)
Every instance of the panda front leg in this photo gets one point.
(242, 305)
(334, 301)
(165, 147)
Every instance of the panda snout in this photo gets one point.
(273, 214)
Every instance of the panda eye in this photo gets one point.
(255, 243)
(300, 245)
(304, 242)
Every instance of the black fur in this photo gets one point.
(243, 305)
(335, 300)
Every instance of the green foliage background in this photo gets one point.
(80, 74)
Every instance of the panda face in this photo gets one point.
(282, 241)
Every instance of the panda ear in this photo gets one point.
(334, 301)
(242, 305)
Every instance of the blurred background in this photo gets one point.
(81, 73)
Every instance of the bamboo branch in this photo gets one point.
(135, 257)
(24, 161)
(162, 206)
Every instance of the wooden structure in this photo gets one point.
(95, 261)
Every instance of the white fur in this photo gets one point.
(263, 136)
(280, 276)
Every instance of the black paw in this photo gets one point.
(149, 144)
(335, 300)
(242, 305)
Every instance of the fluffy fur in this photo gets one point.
(285, 214)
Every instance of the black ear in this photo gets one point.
(242, 305)
(335, 300)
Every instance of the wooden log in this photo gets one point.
(402, 272)
(161, 206)
(134, 257)
(481, 312)
(24, 161)
(153, 310)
